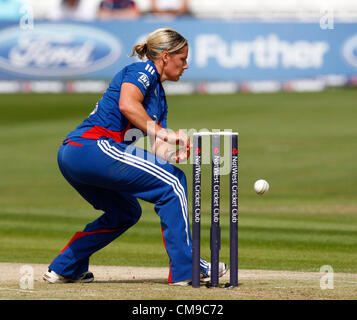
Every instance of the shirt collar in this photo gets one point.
(156, 72)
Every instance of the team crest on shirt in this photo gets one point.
(144, 80)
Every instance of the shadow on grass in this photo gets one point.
(129, 281)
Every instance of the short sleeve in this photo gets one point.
(142, 75)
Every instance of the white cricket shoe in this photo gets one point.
(206, 272)
(52, 277)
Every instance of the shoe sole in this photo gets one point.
(49, 279)
(181, 283)
(82, 280)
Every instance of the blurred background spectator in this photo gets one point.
(74, 10)
(170, 7)
(10, 10)
(273, 10)
(118, 9)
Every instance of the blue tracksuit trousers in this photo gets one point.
(111, 177)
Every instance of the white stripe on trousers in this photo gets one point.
(165, 174)
(152, 169)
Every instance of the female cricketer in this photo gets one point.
(102, 164)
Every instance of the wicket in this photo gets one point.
(215, 232)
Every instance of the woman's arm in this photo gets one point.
(130, 104)
(169, 152)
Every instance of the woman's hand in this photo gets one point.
(166, 143)
(177, 156)
(177, 138)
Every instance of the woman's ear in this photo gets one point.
(165, 57)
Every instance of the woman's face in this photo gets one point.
(176, 64)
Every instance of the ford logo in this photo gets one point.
(349, 51)
(54, 50)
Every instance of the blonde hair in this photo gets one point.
(163, 39)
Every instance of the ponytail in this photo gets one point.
(140, 50)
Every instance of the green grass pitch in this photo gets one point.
(303, 144)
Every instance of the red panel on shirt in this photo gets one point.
(97, 132)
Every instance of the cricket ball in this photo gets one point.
(261, 186)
